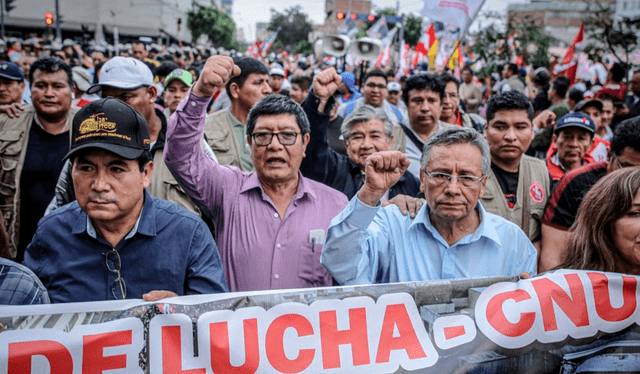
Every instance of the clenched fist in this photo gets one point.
(217, 71)
(326, 83)
(382, 171)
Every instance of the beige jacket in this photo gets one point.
(218, 129)
(533, 189)
(14, 137)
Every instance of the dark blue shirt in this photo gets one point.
(170, 249)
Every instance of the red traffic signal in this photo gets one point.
(48, 18)
(371, 17)
(353, 16)
(340, 15)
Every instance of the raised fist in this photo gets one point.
(382, 171)
(217, 71)
(326, 83)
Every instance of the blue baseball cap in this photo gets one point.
(9, 70)
(349, 80)
(579, 120)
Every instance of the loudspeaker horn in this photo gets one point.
(366, 49)
(335, 45)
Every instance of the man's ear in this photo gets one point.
(234, 91)
(146, 177)
(153, 93)
(553, 138)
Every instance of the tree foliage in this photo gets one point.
(620, 38)
(217, 25)
(522, 38)
(294, 30)
(412, 30)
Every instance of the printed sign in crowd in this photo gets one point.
(493, 324)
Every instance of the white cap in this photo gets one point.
(276, 71)
(394, 87)
(125, 73)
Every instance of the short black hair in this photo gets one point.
(247, 65)
(274, 105)
(561, 86)
(424, 81)
(617, 72)
(510, 100)
(626, 134)
(303, 82)
(165, 69)
(513, 67)
(576, 95)
(448, 77)
(196, 68)
(374, 73)
(50, 65)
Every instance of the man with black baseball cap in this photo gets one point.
(117, 241)
(11, 83)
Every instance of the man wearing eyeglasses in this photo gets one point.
(562, 207)
(270, 224)
(452, 236)
(365, 131)
(117, 241)
(374, 93)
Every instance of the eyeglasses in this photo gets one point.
(118, 286)
(617, 160)
(465, 180)
(265, 138)
(378, 86)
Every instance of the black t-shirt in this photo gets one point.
(508, 184)
(40, 172)
(562, 207)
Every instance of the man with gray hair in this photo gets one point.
(365, 131)
(452, 235)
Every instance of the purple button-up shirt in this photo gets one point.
(259, 250)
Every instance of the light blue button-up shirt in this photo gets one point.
(379, 245)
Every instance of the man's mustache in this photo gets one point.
(100, 197)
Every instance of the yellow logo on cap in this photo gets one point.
(95, 123)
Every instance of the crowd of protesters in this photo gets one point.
(149, 171)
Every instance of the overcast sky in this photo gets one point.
(247, 12)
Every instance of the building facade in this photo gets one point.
(333, 7)
(133, 18)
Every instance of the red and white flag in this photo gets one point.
(568, 56)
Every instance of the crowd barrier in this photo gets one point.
(563, 321)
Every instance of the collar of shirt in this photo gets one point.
(234, 120)
(484, 229)
(253, 182)
(145, 224)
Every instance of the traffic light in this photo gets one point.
(371, 17)
(353, 16)
(7, 5)
(340, 15)
(48, 18)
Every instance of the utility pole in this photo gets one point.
(2, 18)
(58, 32)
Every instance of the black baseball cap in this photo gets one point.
(9, 70)
(111, 125)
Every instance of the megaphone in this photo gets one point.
(366, 49)
(335, 45)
